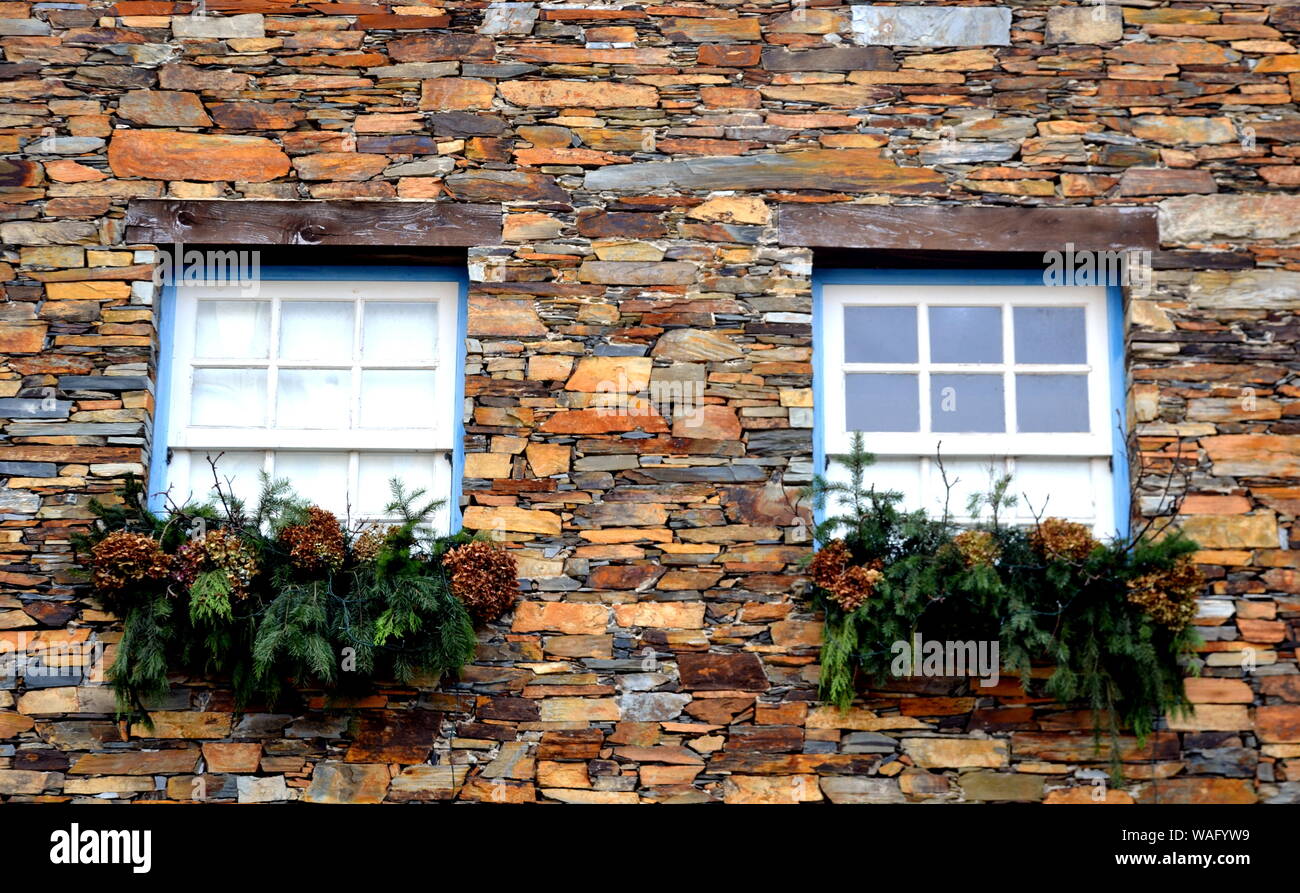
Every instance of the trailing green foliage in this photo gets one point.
(1049, 596)
(275, 594)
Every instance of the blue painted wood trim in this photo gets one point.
(161, 404)
(1028, 276)
(340, 273)
(1119, 467)
(819, 382)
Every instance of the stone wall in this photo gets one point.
(660, 652)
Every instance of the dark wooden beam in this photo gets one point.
(952, 228)
(405, 224)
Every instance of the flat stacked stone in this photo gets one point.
(641, 153)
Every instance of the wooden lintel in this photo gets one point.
(404, 224)
(967, 229)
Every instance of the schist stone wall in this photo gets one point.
(640, 153)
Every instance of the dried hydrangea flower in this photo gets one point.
(222, 550)
(829, 563)
(484, 577)
(122, 559)
(978, 548)
(1169, 596)
(856, 585)
(365, 548)
(317, 544)
(1063, 540)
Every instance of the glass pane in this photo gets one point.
(229, 397)
(1051, 403)
(880, 334)
(968, 477)
(966, 403)
(316, 330)
(1061, 488)
(876, 402)
(321, 478)
(398, 399)
(965, 334)
(238, 472)
(900, 475)
(399, 332)
(415, 470)
(235, 330)
(313, 398)
(1050, 335)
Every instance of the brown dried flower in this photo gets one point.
(1063, 540)
(222, 550)
(1169, 596)
(317, 544)
(484, 577)
(978, 548)
(856, 585)
(123, 559)
(829, 563)
(366, 547)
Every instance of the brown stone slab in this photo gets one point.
(933, 228)
(164, 221)
(722, 672)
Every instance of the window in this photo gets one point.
(337, 385)
(1003, 379)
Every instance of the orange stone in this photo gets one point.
(446, 94)
(170, 155)
(624, 375)
(339, 166)
(574, 619)
(583, 94)
(230, 756)
(64, 171)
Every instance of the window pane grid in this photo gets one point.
(275, 363)
(1009, 370)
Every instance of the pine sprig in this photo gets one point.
(1107, 654)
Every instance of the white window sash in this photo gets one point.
(1087, 453)
(438, 437)
(188, 444)
(838, 439)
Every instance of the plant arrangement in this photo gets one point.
(1111, 619)
(278, 593)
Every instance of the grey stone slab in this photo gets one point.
(28, 469)
(732, 474)
(854, 789)
(930, 26)
(425, 167)
(418, 70)
(22, 502)
(250, 25)
(660, 706)
(74, 429)
(497, 69)
(104, 383)
(620, 350)
(967, 152)
(34, 408)
(509, 18)
(23, 28)
(64, 145)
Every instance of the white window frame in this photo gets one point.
(187, 442)
(1002, 448)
